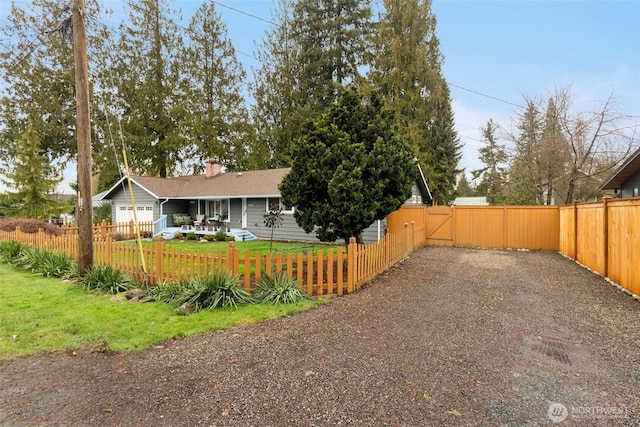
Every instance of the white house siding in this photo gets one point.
(121, 198)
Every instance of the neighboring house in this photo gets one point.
(470, 201)
(240, 199)
(625, 181)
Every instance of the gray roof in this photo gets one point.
(259, 183)
(630, 166)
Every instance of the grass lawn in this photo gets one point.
(41, 314)
(262, 246)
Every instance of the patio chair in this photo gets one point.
(215, 222)
(199, 222)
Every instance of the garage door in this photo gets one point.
(124, 213)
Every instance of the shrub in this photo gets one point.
(192, 236)
(178, 236)
(118, 237)
(10, 250)
(166, 292)
(29, 225)
(107, 279)
(215, 290)
(279, 289)
(221, 235)
(46, 263)
(209, 237)
(146, 234)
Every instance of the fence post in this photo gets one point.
(231, 251)
(351, 264)
(453, 226)
(103, 229)
(575, 230)
(504, 227)
(605, 234)
(159, 254)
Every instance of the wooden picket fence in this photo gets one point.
(336, 271)
(121, 230)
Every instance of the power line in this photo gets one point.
(245, 13)
(486, 96)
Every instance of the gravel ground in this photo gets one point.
(451, 336)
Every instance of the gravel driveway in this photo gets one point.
(451, 336)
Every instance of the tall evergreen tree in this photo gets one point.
(217, 119)
(152, 104)
(36, 59)
(349, 170)
(494, 157)
(464, 189)
(274, 111)
(32, 176)
(317, 47)
(406, 72)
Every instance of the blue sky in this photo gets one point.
(498, 49)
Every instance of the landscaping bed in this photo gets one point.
(450, 337)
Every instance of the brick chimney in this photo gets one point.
(213, 167)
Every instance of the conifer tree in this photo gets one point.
(316, 47)
(349, 170)
(36, 59)
(494, 157)
(406, 71)
(32, 176)
(217, 120)
(151, 102)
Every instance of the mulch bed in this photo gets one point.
(449, 337)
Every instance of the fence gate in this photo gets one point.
(440, 225)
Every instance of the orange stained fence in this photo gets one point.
(502, 227)
(334, 271)
(604, 236)
(124, 230)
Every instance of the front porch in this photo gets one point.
(238, 234)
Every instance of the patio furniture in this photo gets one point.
(199, 222)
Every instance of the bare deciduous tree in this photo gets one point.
(568, 152)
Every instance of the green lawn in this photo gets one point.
(40, 314)
(262, 246)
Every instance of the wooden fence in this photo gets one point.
(120, 231)
(334, 271)
(501, 227)
(604, 236)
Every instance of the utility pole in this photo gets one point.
(84, 207)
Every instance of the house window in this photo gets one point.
(635, 192)
(277, 201)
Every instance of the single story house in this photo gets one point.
(239, 200)
(625, 181)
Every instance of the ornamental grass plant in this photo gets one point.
(279, 289)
